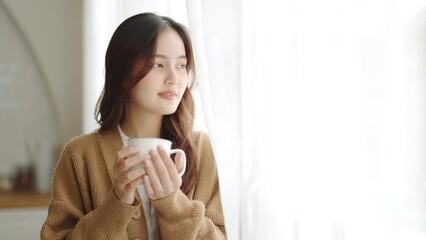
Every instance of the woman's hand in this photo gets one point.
(162, 178)
(127, 174)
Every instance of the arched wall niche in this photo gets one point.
(28, 123)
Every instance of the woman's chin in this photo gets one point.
(169, 112)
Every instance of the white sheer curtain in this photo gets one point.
(315, 110)
(316, 113)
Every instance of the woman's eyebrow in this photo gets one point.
(165, 57)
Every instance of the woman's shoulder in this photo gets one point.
(203, 145)
(81, 142)
(83, 139)
(201, 139)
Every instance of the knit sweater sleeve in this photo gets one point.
(70, 214)
(201, 217)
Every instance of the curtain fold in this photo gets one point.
(217, 51)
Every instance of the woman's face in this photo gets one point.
(161, 90)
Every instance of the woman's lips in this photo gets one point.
(169, 95)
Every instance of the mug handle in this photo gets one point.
(181, 172)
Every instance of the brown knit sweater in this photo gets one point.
(83, 206)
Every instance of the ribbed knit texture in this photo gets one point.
(83, 206)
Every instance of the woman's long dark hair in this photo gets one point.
(129, 58)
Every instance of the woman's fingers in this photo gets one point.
(172, 173)
(159, 159)
(179, 162)
(129, 157)
(131, 176)
(149, 190)
(128, 173)
(162, 178)
(151, 171)
(126, 152)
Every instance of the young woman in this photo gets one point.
(97, 193)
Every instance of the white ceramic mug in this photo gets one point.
(147, 144)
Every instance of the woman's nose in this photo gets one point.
(172, 78)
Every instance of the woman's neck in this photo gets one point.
(142, 126)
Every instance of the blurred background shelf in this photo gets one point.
(12, 199)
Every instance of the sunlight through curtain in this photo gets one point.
(316, 115)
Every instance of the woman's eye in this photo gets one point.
(157, 65)
(182, 66)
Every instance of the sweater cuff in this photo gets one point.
(114, 216)
(178, 206)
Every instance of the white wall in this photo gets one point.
(22, 223)
(53, 29)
